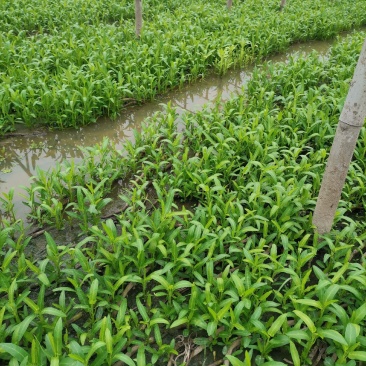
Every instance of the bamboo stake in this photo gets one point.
(349, 126)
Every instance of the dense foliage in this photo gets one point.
(64, 63)
(212, 247)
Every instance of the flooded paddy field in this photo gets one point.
(27, 149)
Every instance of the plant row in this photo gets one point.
(65, 63)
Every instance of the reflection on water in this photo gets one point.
(21, 154)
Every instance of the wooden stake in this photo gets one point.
(282, 5)
(229, 4)
(138, 17)
(349, 126)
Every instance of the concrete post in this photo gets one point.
(138, 17)
(349, 126)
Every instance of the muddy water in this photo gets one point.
(21, 154)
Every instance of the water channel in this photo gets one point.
(21, 153)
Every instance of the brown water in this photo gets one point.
(21, 154)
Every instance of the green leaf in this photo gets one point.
(211, 328)
(54, 312)
(44, 279)
(95, 346)
(352, 332)
(77, 358)
(235, 361)
(238, 284)
(304, 240)
(333, 335)
(276, 325)
(142, 310)
(319, 273)
(273, 210)
(294, 354)
(57, 332)
(179, 322)
(357, 355)
(15, 351)
(359, 314)
(298, 334)
(157, 335)
(108, 341)
(249, 229)
(224, 311)
(273, 363)
(340, 272)
(32, 267)
(158, 321)
(21, 328)
(36, 351)
(8, 258)
(68, 361)
(50, 345)
(122, 280)
(124, 358)
(51, 243)
(93, 292)
(92, 209)
(330, 292)
(55, 361)
(141, 360)
(339, 312)
(279, 340)
(161, 280)
(306, 320)
(182, 284)
(2, 312)
(309, 302)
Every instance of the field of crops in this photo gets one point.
(65, 63)
(210, 254)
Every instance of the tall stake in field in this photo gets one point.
(229, 4)
(138, 17)
(282, 5)
(349, 126)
